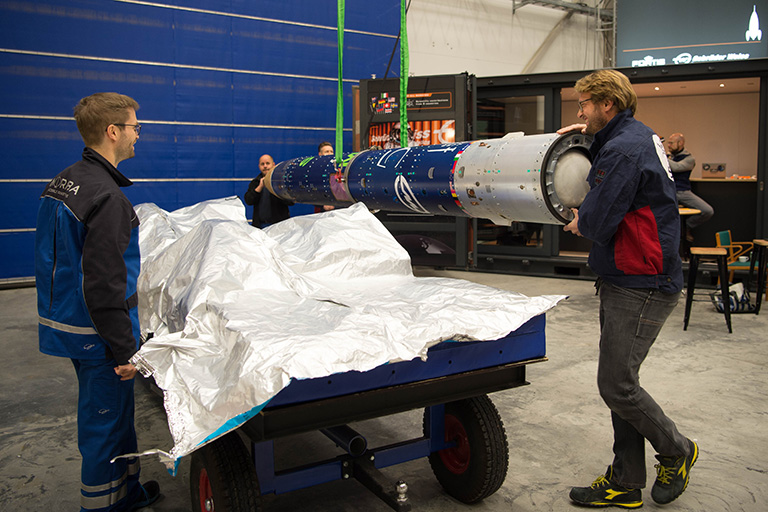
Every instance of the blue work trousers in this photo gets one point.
(630, 320)
(105, 430)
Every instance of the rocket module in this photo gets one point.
(517, 178)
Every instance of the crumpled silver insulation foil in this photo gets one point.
(237, 312)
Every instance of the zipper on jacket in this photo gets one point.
(55, 255)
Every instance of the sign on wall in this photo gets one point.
(420, 133)
(663, 33)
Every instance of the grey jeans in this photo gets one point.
(630, 320)
(691, 200)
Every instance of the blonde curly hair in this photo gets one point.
(607, 84)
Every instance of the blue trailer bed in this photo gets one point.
(464, 437)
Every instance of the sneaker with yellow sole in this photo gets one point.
(672, 475)
(604, 493)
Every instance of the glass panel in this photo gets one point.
(495, 118)
(499, 116)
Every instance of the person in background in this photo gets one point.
(324, 149)
(267, 208)
(630, 214)
(681, 162)
(86, 267)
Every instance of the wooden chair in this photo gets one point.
(735, 249)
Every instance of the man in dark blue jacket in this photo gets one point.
(86, 268)
(631, 216)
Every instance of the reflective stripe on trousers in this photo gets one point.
(100, 497)
(105, 429)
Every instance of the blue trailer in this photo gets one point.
(463, 434)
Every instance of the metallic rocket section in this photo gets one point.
(412, 180)
(311, 180)
(535, 178)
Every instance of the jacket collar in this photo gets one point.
(610, 130)
(92, 155)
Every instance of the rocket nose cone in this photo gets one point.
(570, 178)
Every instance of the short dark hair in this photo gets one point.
(96, 112)
(322, 145)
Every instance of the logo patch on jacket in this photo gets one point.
(599, 175)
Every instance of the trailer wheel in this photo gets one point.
(223, 478)
(477, 466)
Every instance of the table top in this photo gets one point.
(709, 251)
(740, 179)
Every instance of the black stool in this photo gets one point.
(720, 254)
(760, 257)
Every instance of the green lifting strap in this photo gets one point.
(340, 93)
(403, 77)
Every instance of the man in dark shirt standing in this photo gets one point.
(681, 163)
(267, 208)
(86, 268)
(630, 214)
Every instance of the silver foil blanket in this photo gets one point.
(237, 312)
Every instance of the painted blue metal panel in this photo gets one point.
(94, 28)
(203, 40)
(27, 194)
(378, 17)
(156, 151)
(251, 143)
(171, 196)
(284, 102)
(220, 82)
(285, 48)
(17, 254)
(205, 151)
(34, 149)
(50, 86)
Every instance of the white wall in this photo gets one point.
(718, 128)
(484, 38)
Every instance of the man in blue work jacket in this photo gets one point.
(86, 267)
(630, 214)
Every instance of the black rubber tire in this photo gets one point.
(223, 471)
(477, 467)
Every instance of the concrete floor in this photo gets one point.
(713, 384)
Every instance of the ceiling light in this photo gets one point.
(722, 85)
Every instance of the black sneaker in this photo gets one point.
(150, 493)
(604, 493)
(673, 474)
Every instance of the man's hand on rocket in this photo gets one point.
(566, 129)
(573, 226)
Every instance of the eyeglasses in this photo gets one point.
(136, 127)
(582, 102)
